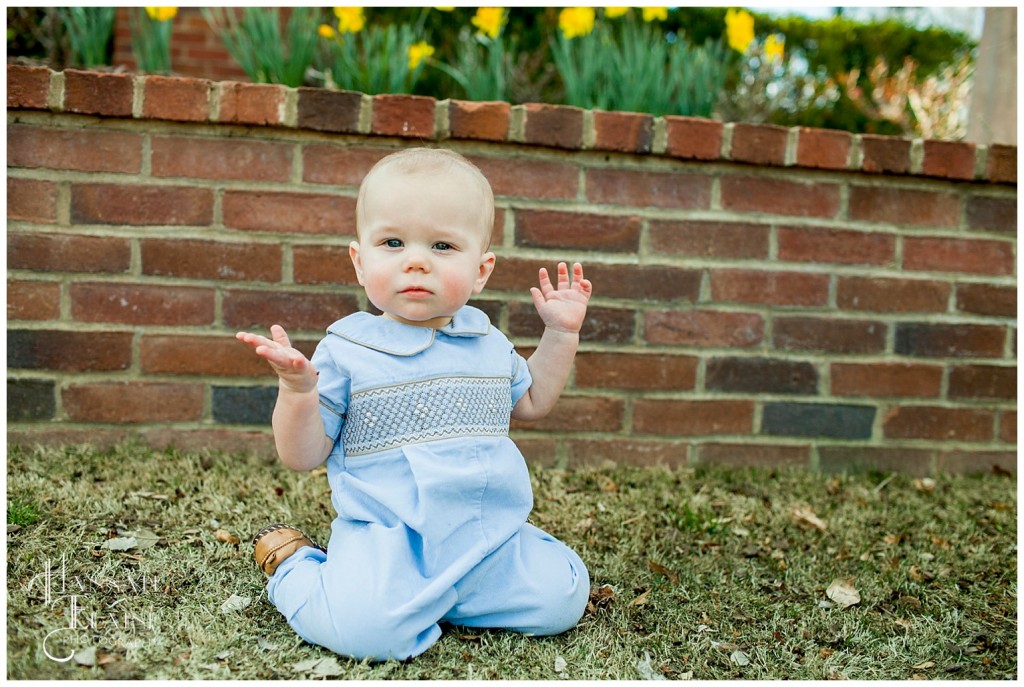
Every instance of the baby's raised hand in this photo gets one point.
(292, 367)
(564, 308)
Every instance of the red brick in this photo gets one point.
(643, 282)
(484, 121)
(904, 206)
(973, 256)
(69, 351)
(773, 288)
(1008, 426)
(602, 325)
(986, 299)
(759, 144)
(692, 418)
(220, 356)
(248, 103)
(828, 335)
(530, 178)
(703, 239)
(635, 371)
(823, 148)
(974, 462)
(27, 87)
(517, 274)
(295, 311)
(992, 214)
(579, 414)
(624, 132)
(211, 158)
(1002, 164)
(703, 328)
(946, 424)
(32, 300)
(885, 154)
(228, 442)
(141, 205)
(892, 295)
(410, 116)
(67, 253)
(140, 304)
(948, 159)
(649, 189)
(31, 200)
(98, 93)
(885, 380)
(339, 166)
(194, 259)
(537, 451)
(323, 265)
(818, 244)
(754, 455)
(294, 213)
(942, 340)
(908, 461)
(596, 452)
(176, 99)
(553, 229)
(84, 150)
(779, 196)
(133, 402)
(692, 138)
(983, 381)
(323, 109)
(557, 126)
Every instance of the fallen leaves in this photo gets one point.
(805, 517)
(235, 603)
(318, 667)
(601, 597)
(142, 539)
(226, 537)
(646, 670)
(660, 569)
(843, 593)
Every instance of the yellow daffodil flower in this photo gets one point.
(350, 19)
(489, 20)
(162, 13)
(652, 13)
(576, 21)
(739, 28)
(419, 52)
(615, 12)
(326, 31)
(774, 49)
(444, 9)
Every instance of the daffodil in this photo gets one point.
(774, 48)
(419, 52)
(350, 19)
(739, 28)
(615, 12)
(162, 13)
(444, 9)
(652, 13)
(489, 20)
(576, 21)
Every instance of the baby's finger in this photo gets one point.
(280, 337)
(545, 281)
(563, 276)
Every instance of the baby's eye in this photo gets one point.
(441, 245)
(393, 243)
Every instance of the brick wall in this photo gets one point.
(763, 295)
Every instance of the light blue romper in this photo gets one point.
(432, 496)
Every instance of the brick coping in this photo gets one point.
(186, 99)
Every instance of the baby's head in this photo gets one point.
(423, 224)
(421, 164)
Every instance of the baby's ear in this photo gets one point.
(486, 267)
(357, 261)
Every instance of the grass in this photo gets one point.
(710, 574)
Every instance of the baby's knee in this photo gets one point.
(566, 605)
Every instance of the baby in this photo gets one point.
(411, 410)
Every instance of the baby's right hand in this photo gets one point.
(292, 367)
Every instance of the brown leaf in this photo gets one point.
(843, 593)
(925, 485)
(640, 600)
(601, 597)
(660, 569)
(226, 537)
(805, 517)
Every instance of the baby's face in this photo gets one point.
(422, 244)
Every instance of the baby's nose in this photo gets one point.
(417, 260)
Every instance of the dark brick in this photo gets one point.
(992, 214)
(761, 375)
(941, 424)
(552, 229)
(949, 340)
(68, 351)
(1002, 164)
(817, 420)
(641, 188)
(176, 99)
(643, 282)
(243, 405)
(30, 399)
(696, 238)
(292, 310)
(605, 325)
(976, 462)
(828, 335)
(322, 109)
(558, 126)
(885, 154)
(983, 381)
(985, 299)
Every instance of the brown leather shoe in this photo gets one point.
(274, 543)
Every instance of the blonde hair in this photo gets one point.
(437, 161)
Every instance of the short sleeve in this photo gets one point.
(333, 386)
(521, 379)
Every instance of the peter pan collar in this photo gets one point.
(395, 338)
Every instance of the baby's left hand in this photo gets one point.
(564, 308)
